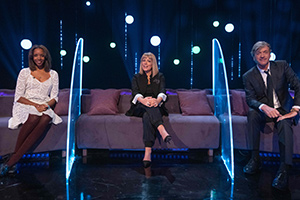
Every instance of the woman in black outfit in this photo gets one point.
(149, 95)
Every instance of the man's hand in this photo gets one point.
(270, 112)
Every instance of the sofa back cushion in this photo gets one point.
(62, 106)
(124, 102)
(238, 103)
(211, 101)
(172, 103)
(104, 102)
(6, 103)
(194, 102)
(85, 103)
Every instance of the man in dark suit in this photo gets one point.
(267, 94)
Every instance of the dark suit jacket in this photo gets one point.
(139, 84)
(282, 76)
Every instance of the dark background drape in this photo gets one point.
(179, 23)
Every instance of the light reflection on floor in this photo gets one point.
(120, 175)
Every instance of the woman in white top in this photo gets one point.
(35, 97)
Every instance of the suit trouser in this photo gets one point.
(152, 118)
(256, 123)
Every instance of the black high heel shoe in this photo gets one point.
(168, 139)
(146, 163)
(4, 170)
(14, 169)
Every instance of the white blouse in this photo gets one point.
(38, 92)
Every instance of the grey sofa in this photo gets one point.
(118, 131)
(55, 139)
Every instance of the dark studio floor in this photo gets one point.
(119, 175)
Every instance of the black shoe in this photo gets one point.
(281, 180)
(4, 170)
(146, 163)
(14, 169)
(167, 139)
(253, 166)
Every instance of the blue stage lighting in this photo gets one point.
(196, 49)
(216, 23)
(176, 61)
(273, 56)
(61, 44)
(129, 19)
(87, 3)
(229, 28)
(113, 45)
(26, 44)
(63, 52)
(155, 40)
(86, 59)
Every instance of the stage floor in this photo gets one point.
(173, 175)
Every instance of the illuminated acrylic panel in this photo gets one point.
(222, 105)
(74, 105)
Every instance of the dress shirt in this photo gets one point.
(275, 97)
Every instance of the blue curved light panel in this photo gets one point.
(222, 105)
(74, 105)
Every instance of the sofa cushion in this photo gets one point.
(238, 102)
(6, 103)
(125, 100)
(172, 104)
(104, 102)
(62, 106)
(194, 103)
(7, 92)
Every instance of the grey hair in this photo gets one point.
(259, 45)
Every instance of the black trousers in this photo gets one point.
(152, 118)
(256, 123)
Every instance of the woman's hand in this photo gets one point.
(150, 102)
(41, 107)
(146, 101)
(154, 102)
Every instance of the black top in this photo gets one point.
(139, 85)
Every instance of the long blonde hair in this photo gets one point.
(154, 63)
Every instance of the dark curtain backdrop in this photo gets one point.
(179, 23)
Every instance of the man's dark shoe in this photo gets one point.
(281, 180)
(253, 166)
